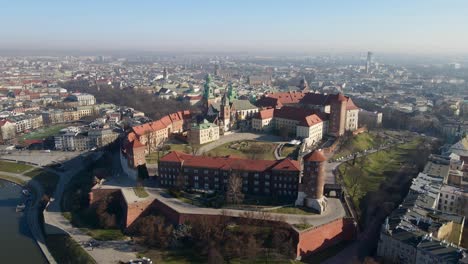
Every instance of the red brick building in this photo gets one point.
(259, 177)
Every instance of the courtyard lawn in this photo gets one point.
(292, 210)
(44, 132)
(288, 150)
(371, 171)
(13, 167)
(140, 192)
(65, 250)
(358, 143)
(246, 149)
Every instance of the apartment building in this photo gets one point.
(26, 122)
(7, 130)
(82, 99)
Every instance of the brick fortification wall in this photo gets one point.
(309, 241)
(134, 210)
(98, 194)
(321, 237)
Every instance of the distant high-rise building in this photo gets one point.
(369, 61)
(165, 74)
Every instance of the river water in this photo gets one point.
(16, 243)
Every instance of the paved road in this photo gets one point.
(237, 137)
(40, 158)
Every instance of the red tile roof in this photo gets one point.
(142, 129)
(166, 120)
(157, 125)
(266, 113)
(350, 105)
(230, 163)
(288, 165)
(311, 120)
(316, 155)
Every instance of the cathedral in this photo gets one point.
(228, 111)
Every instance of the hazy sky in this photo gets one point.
(403, 26)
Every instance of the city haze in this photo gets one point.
(418, 27)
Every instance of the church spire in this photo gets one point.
(231, 93)
(303, 85)
(208, 92)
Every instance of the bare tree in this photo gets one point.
(234, 193)
(355, 175)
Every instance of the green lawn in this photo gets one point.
(13, 167)
(105, 234)
(44, 132)
(33, 173)
(292, 210)
(375, 168)
(12, 179)
(359, 143)
(302, 226)
(140, 192)
(246, 149)
(288, 150)
(65, 250)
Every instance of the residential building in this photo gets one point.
(7, 130)
(81, 99)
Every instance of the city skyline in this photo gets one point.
(419, 27)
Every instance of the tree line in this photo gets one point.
(153, 106)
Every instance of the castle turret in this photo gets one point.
(313, 182)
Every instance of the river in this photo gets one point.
(16, 243)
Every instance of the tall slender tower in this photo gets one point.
(208, 92)
(337, 115)
(165, 74)
(312, 182)
(369, 61)
(225, 112)
(303, 85)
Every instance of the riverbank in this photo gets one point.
(32, 210)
